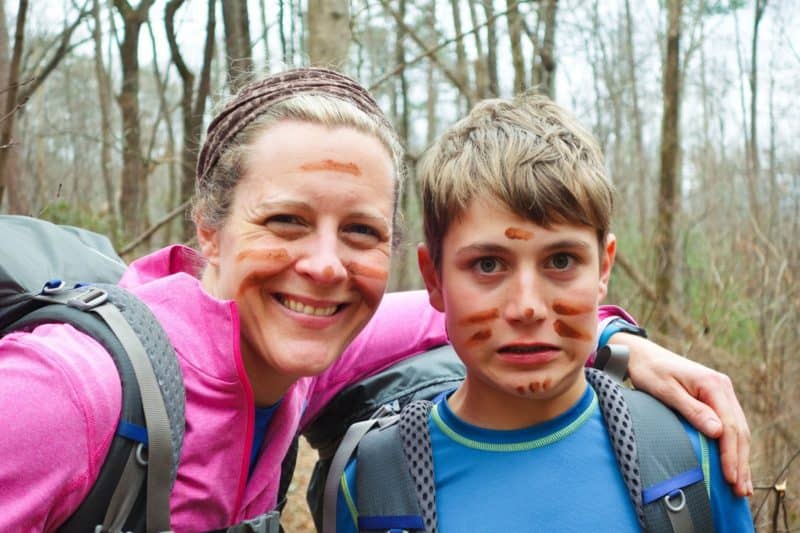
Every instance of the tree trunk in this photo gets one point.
(328, 32)
(237, 43)
(639, 155)
(669, 182)
(461, 54)
(544, 71)
(104, 100)
(134, 205)
(515, 36)
(491, 49)
(755, 165)
(481, 75)
(11, 104)
(265, 30)
(192, 103)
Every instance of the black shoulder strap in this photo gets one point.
(656, 458)
(147, 445)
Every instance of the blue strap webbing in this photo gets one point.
(132, 431)
(391, 522)
(668, 486)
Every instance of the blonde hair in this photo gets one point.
(214, 195)
(527, 153)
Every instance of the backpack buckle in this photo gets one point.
(88, 299)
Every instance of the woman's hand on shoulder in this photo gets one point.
(702, 395)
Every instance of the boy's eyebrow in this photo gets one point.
(482, 248)
(567, 244)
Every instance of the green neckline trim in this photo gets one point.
(517, 446)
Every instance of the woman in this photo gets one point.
(297, 191)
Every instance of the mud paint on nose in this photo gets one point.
(480, 316)
(565, 330)
(336, 166)
(518, 234)
(357, 269)
(568, 309)
(528, 313)
(327, 272)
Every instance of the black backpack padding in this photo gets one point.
(34, 252)
(421, 377)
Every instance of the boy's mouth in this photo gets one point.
(524, 349)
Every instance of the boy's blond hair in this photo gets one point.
(527, 153)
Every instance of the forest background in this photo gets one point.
(103, 104)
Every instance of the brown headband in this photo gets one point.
(256, 97)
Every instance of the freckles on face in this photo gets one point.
(270, 262)
(331, 165)
(518, 234)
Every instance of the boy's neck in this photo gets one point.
(490, 408)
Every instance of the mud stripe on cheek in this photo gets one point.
(518, 234)
(367, 271)
(276, 260)
(336, 166)
(481, 316)
(564, 308)
(480, 335)
(565, 330)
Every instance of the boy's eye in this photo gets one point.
(561, 261)
(487, 265)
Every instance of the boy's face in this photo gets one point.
(521, 302)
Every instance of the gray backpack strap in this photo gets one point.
(416, 436)
(349, 443)
(266, 523)
(656, 459)
(160, 384)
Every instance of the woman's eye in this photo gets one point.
(561, 261)
(487, 265)
(285, 219)
(363, 229)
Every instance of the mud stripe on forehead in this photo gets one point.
(336, 166)
(518, 234)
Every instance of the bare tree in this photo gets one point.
(237, 43)
(134, 172)
(544, 67)
(668, 200)
(491, 48)
(104, 98)
(193, 101)
(328, 32)
(515, 36)
(754, 166)
(12, 103)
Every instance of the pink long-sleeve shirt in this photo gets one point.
(60, 401)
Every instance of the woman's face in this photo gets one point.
(305, 249)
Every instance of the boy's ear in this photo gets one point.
(208, 240)
(607, 256)
(431, 277)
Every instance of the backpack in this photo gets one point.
(42, 270)
(656, 459)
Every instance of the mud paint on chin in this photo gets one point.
(568, 309)
(357, 269)
(480, 336)
(480, 316)
(336, 166)
(565, 330)
(518, 234)
(271, 261)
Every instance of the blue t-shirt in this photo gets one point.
(560, 475)
(263, 416)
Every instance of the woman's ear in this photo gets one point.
(431, 277)
(607, 256)
(208, 241)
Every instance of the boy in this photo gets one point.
(518, 255)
